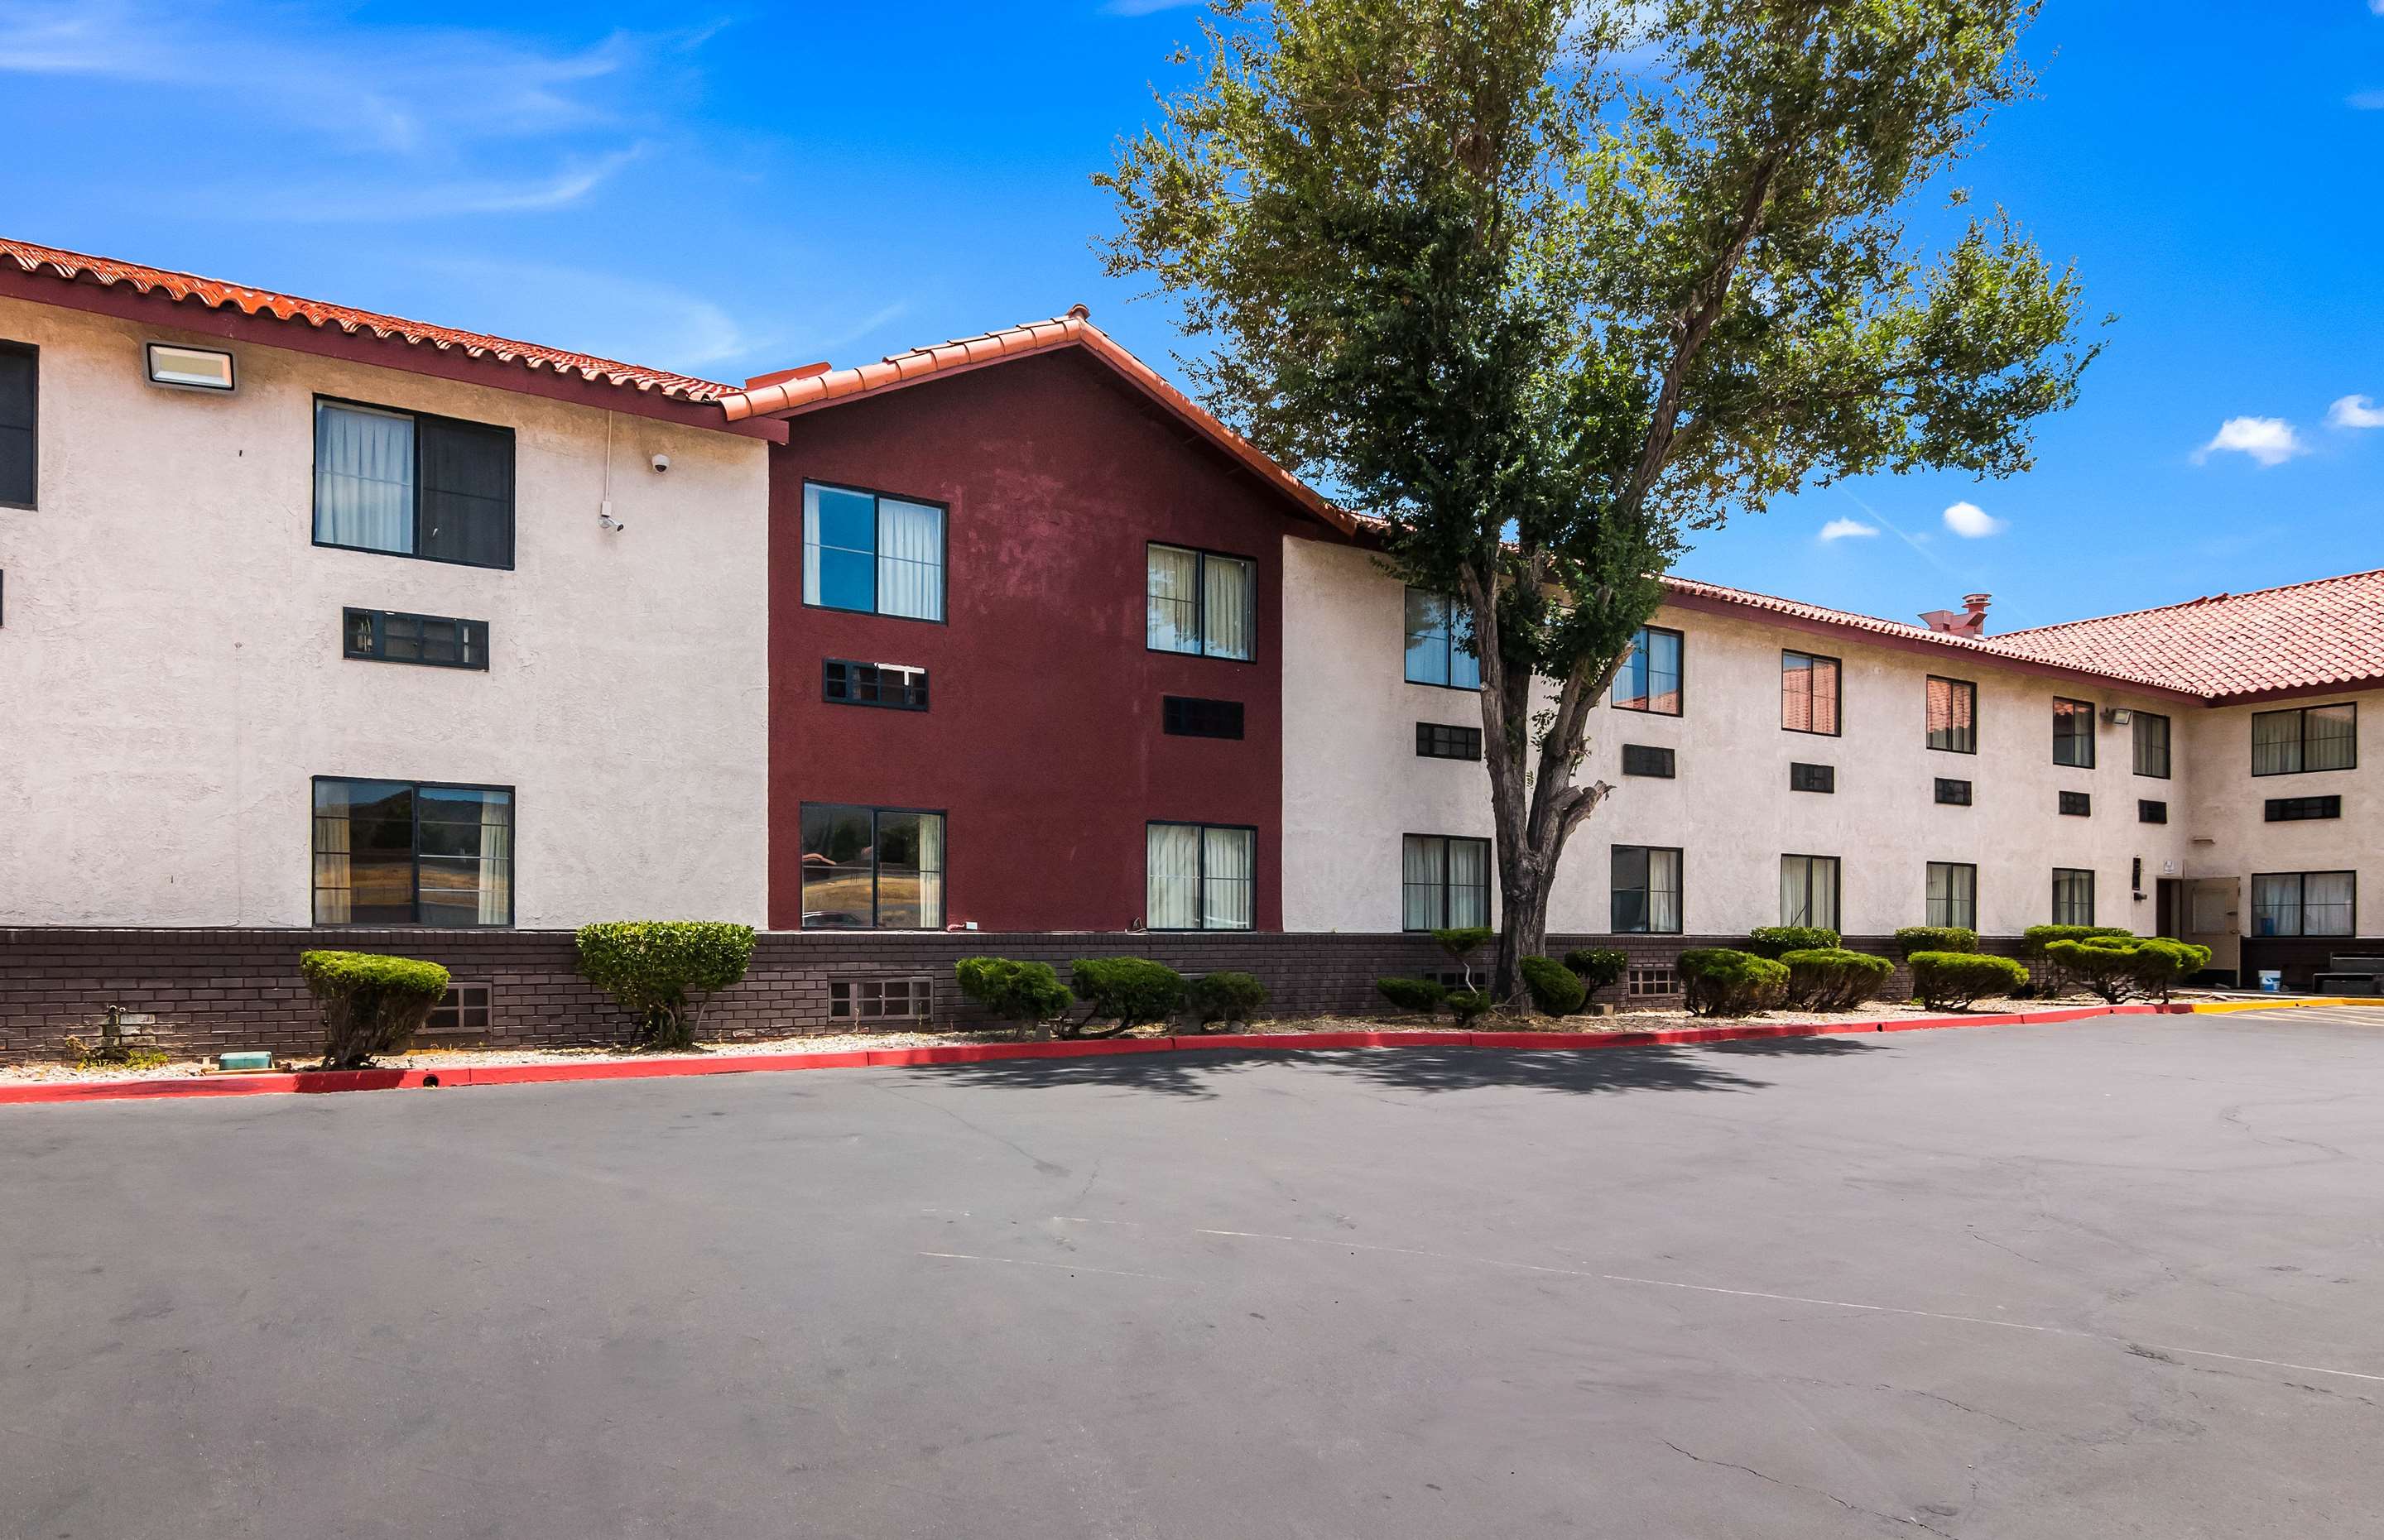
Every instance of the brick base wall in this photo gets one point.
(205, 991)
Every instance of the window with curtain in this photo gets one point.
(2306, 738)
(2303, 904)
(20, 366)
(411, 484)
(413, 852)
(1649, 678)
(872, 868)
(1952, 895)
(877, 555)
(1199, 877)
(1809, 891)
(2073, 734)
(1645, 891)
(1810, 692)
(2152, 745)
(1952, 715)
(1440, 642)
(1199, 602)
(2073, 895)
(1444, 881)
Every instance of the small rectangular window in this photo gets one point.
(1651, 982)
(880, 999)
(1952, 715)
(1199, 877)
(19, 424)
(872, 554)
(1645, 891)
(2077, 805)
(1199, 602)
(2152, 812)
(1190, 717)
(2297, 810)
(1809, 891)
(413, 852)
(435, 641)
(1647, 759)
(1808, 693)
(1436, 741)
(411, 484)
(1953, 794)
(2304, 903)
(467, 1007)
(2073, 895)
(872, 868)
(1812, 777)
(1649, 678)
(1440, 642)
(1444, 881)
(2073, 734)
(2306, 738)
(2152, 745)
(1952, 895)
(894, 686)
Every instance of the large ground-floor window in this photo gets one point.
(1199, 876)
(1646, 891)
(1809, 891)
(413, 852)
(2073, 895)
(1954, 894)
(872, 868)
(1444, 882)
(2304, 903)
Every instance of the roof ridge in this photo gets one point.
(1808, 604)
(2227, 597)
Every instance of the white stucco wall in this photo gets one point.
(170, 668)
(1354, 784)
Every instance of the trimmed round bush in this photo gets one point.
(2036, 938)
(1466, 1004)
(1935, 937)
(371, 1004)
(1027, 994)
(1554, 988)
(2164, 962)
(2117, 967)
(1717, 981)
(1128, 990)
(1228, 997)
(1420, 996)
(1831, 979)
(1952, 979)
(1777, 940)
(653, 966)
(1598, 967)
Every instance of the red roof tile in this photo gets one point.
(76, 268)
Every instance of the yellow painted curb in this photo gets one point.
(2228, 1008)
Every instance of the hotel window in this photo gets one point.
(1190, 717)
(1434, 741)
(409, 484)
(1440, 642)
(2308, 738)
(871, 554)
(872, 868)
(2303, 904)
(1646, 891)
(1197, 602)
(1809, 692)
(1444, 882)
(1952, 715)
(888, 684)
(413, 852)
(464, 1009)
(1954, 894)
(1953, 794)
(1649, 678)
(435, 641)
(19, 419)
(1647, 759)
(2152, 812)
(2077, 805)
(2073, 734)
(2073, 896)
(1812, 777)
(2297, 810)
(1809, 891)
(1199, 876)
(2152, 745)
(881, 999)
(1651, 982)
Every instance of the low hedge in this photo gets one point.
(2117, 967)
(1228, 997)
(1716, 981)
(1831, 979)
(2036, 938)
(653, 966)
(1555, 989)
(1420, 996)
(1952, 979)
(1128, 990)
(371, 1004)
(1935, 937)
(1598, 967)
(1777, 940)
(1027, 994)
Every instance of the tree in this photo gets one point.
(1538, 292)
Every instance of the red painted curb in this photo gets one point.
(321, 1082)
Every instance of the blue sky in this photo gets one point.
(728, 192)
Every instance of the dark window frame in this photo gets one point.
(1432, 745)
(1818, 778)
(2149, 811)
(1837, 888)
(1837, 691)
(460, 1010)
(1200, 717)
(1679, 894)
(1652, 755)
(1928, 918)
(1200, 602)
(1200, 903)
(2077, 805)
(2136, 720)
(2300, 906)
(2092, 898)
(474, 633)
(1968, 687)
(943, 557)
(2088, 738)
(1679, 689)
(1489, 879)
(1449, 629)
(912, 691)
(1965, 800)
(513, 482)
(513, 855)
(2302, 712)
(32, 352)
(876, 871)
(2313, 808)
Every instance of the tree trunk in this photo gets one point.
(1522, 932)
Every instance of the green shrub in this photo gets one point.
(664, 971)
(2036, 938)
(1717, 981)
(1945, 979)
(1228, 997)
(1128, 990)
(1598, 967)
(2117, 967)
(2163, 962)
(1027, 994)
(371, 1004)
(1830, 979)
(1461, 942)
(1555, 991)
(1775, 941)
(1935, 937)
(1466, 1004)
(1420, 996)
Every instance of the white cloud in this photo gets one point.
(2367, 101)
(1973, 523)
(2269, 440)
(368, 201)
(1848, 529)
(2355, 412)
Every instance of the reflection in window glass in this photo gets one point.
(1649, 678)
(1440, 642)
(872, 868)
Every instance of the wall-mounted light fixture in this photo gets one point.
(190, 368)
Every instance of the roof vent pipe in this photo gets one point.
(1971, 621)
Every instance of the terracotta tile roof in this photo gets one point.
(2304, 637)
(810, 392)
(77, 267)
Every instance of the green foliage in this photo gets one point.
(1555, 989)
(1935, 937)
(114, 1055)
(371, 1004)
(1830, 979)
(2117, 967)
(2037, 938)
(1458, 941)
(1128, 990)
(664, 971)
(1717, 981)
(1227, 996)
(1027, 994)
(1952, 979)
(1598, 967)
(1777, 940)
(1420, 996)
(1468, 1005)
(2163, 962)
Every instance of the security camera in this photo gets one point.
(662, 464)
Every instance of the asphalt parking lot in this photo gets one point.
(2111, 1279)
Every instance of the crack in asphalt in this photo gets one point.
(1800, 1487)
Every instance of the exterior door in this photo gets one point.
(2214, 918)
